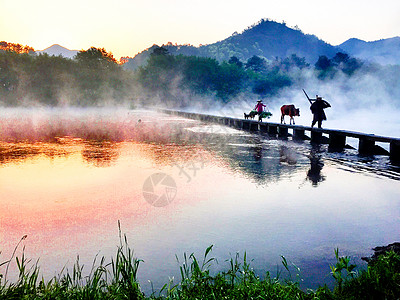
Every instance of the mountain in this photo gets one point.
(385, 51)
(57, 50)
(268, 39)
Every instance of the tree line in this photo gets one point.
(256, 77)
(94, 77)
(91, 78)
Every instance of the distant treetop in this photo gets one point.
(18, 48)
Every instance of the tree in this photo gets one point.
(323, 63)
(345, 63)
(160, 51)
(270, 83)
(18, 48)
(231, 79)
(340, 58)
(256, 63)
(99, 76)
(235, 61)
(295, 61)
(95, 55)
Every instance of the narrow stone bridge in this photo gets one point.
(336, 139)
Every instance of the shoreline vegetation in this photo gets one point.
(118, 280)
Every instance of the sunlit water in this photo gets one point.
(67, 178)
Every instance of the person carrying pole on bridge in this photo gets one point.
(261, 112)
(259, 107)
(317, 108)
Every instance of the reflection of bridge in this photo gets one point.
(336, 138)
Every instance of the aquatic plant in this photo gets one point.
(118, 279)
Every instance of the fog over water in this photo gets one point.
(67, 176)
(367, 103)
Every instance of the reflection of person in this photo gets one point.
(257, 152)
(316, 165)
(317, 109)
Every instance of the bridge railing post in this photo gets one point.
(316, 136)
(337, 142)
(395, 150)
(298, 134)
(263, 127)
(253, 126)
(272, 129)
(366, 146)
(246, 125)
(282, 131)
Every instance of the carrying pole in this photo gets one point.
(307, 96)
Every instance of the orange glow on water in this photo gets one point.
(68, 192)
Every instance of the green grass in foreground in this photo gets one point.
(118, 280)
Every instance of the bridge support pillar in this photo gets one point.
(316, 136)
(231, 122)
(366, 146)
(337, 142)
(246, 125)
(253, 126)
(282, 131)
(238, 124)
(272, 129)
(263, 127)
(298, 134)
(395, 151)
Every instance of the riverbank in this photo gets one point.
(117, 279)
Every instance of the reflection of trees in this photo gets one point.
(316, 165)
(13, 153)
(100, 153)
(19, 152)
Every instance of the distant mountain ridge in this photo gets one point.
(385, 51)
(270, 39)
(57, 50)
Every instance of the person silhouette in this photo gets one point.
(317, 109)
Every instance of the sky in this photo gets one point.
(127, 27)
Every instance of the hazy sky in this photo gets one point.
(126, 27)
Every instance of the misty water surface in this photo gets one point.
(66, 178)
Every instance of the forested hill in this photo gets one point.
(268, 39)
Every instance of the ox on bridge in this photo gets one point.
(336, 138)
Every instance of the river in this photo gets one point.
(178, 186)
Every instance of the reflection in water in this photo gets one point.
(258, 151)
(100, 153)
(239, 191)
(19, 152)
(316, 165)
(287, 155)
(12, 152)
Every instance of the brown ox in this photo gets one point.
(291, 111)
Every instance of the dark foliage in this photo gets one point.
(90, 79)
